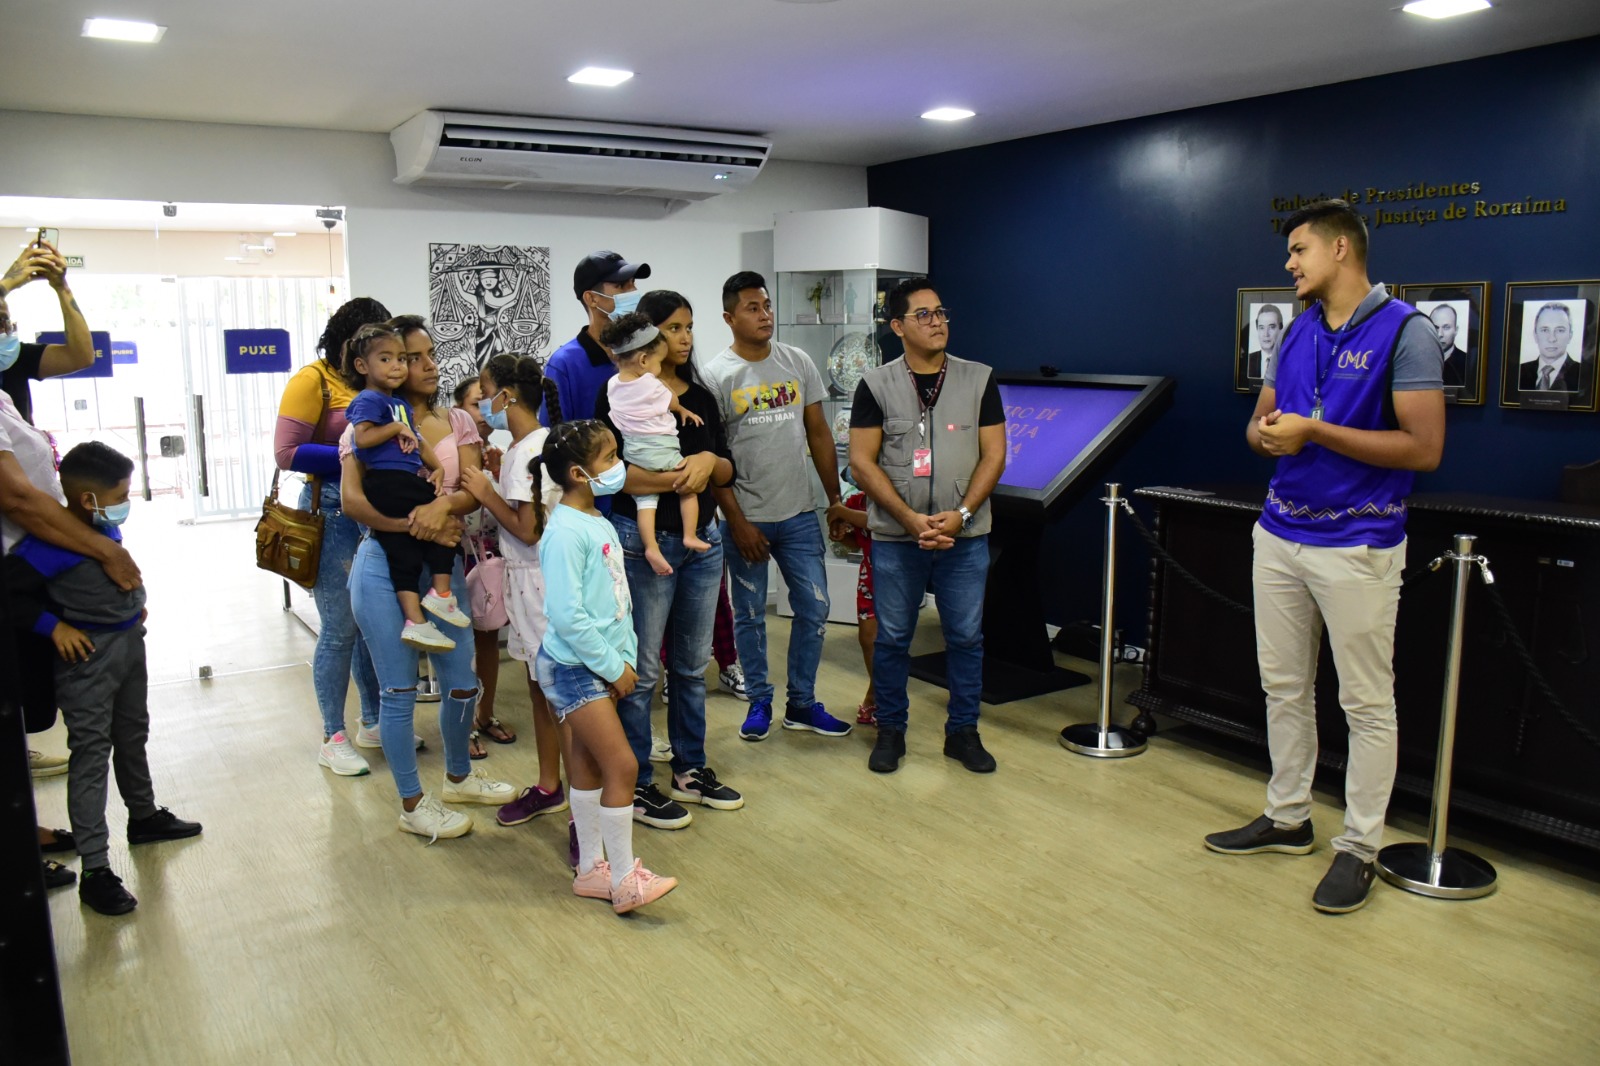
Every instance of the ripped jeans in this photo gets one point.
(377, 613)
(797, 547)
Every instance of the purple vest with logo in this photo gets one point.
(1320, 497)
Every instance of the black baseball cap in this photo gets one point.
(598, 268)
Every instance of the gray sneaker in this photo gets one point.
(1261, 835)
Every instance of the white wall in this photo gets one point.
(692, 248)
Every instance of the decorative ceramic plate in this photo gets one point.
(841, 428)
(852, 356)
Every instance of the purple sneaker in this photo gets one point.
(533, 802)
(816, 719)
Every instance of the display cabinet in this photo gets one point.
(834, 270)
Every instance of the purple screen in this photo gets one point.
(1048, 425)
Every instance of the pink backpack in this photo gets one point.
(486, 589)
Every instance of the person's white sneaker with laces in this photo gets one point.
(425, 637)
(42, 765)
(432, 820)
(445, 608)
(478, 787)
(340, 756)
(368, 736)
(732, 682)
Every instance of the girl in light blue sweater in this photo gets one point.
(585, 663)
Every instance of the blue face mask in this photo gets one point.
(114, 515)
(608, 483)
(622, 302)
(10, 349)
(492, 418)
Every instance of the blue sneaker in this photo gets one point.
(757, 722)
(816, 719)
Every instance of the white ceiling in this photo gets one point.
(33, 211)
(841, 81)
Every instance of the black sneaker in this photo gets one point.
(162, 825)
(56, 875)
(966, 748)
(64, 841)
(1345, 887)
(700, 785)
(102, 890)
(887, 751)
(653, 809)
(1261, 835)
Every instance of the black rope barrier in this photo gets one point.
(1508, 624)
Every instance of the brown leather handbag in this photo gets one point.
(289, 540)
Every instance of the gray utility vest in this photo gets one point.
(951, 433)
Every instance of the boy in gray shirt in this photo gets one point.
(770, 396)
(101, 678)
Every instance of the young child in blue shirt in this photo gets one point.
(585, 662)
(388, 446)
(101, 679)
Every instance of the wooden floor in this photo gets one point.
(1060, 910)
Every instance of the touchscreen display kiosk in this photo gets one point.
(1062, 433)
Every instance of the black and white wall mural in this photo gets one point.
(484, 299)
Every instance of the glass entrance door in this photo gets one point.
(231, 417)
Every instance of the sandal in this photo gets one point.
(497, 732)
(475, 748)
(63, 841)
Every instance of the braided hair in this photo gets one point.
(523, 376)
(357, 347)
(343, 323)
(570, 444)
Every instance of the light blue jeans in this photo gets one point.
(687, 598)
(340, 650)
(797, 548)
(377, 613)
(901, 573)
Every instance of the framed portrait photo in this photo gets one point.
(1550, 333)
(1262, 318)
(1459, 312)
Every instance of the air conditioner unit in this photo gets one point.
(560, 155)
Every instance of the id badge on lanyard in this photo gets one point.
(922, 458)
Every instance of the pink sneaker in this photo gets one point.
(867, 714)
(596, 884)
(639, 886)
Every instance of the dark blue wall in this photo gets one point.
(1118, 249)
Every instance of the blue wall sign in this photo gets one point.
(101, 368)
(256, 351)
(124, 352)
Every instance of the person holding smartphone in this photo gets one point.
(21, 363)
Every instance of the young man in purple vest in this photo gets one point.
(1354, 405)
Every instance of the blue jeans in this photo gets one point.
(340, 650)
(687, 598)
(377, 613)
(901, 573)
(797, 548)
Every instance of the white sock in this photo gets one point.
(586, 816)
(616, 824)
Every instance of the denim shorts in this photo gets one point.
(568, 687)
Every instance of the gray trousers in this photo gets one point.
(104, 705)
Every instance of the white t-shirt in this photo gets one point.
(763, 405)
(516, 486)
(32, 450)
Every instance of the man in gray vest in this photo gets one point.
(927, 446)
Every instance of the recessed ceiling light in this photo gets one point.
(600, 76)
(1443, 9)
(123, 30)
(948, 114)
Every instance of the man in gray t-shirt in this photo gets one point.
(771, 396)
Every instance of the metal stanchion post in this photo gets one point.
(1103, 739)
(1434, 869)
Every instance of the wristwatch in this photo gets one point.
(966, 517)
